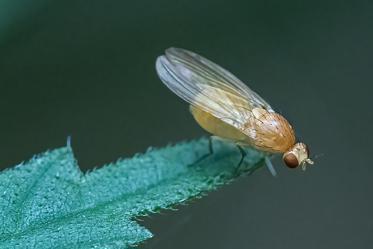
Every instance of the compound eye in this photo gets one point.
(290, 160)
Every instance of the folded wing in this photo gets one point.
(208, 86)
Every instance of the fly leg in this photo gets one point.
(270, 166)
(243, 155)
(209, 153)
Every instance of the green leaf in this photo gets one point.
(49, 203)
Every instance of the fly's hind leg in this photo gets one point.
(209, 153)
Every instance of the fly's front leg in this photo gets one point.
(270, 166)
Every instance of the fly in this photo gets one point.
(226, 107)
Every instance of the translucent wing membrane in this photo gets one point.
(207, 72)
(208, 86)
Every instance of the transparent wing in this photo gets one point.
(204, 70)
(208, 86)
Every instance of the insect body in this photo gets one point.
(226, 107)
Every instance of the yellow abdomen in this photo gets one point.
(215, 126)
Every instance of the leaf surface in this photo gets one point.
(48, 202)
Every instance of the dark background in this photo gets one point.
(86, 69)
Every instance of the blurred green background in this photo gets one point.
(86, 69)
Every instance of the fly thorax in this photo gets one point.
(269, 131)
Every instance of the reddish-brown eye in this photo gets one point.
(291, 160)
